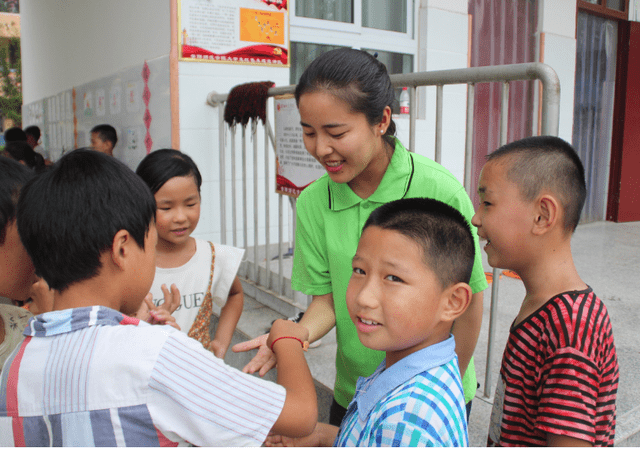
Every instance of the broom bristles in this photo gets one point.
(247, 101)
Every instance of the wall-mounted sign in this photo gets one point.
(241, 32)
(295, 167)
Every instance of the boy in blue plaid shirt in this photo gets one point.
(409, 283)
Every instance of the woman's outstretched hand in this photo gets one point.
(263, 361)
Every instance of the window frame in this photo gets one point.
(320, 31)
(603, 10)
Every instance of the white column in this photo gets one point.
(557, 30)
(442, 31)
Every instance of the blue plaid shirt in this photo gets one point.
(418, 401)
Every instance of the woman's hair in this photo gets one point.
(160, 166)
(355, 77)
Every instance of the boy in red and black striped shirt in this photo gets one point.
(559, 373)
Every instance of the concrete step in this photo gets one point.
(256, 319)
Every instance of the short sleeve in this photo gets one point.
(568, 395)
(310, 273)
(225, 269)
(197, 397)
(462, 203)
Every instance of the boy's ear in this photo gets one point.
(458, 297)
(547, 213)
(120, 248)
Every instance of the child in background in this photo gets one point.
(409, 283)
(201, 271)
(16, 270)
(87, 375)
(559, 374)
(104, 138)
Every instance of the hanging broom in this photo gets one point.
(247, 102)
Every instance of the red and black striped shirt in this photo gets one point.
(559, 375)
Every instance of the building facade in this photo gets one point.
(70, 44)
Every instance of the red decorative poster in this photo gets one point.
(240, 32)
(295, 167)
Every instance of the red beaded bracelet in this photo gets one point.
(304, 344)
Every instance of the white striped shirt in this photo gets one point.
(94, 377)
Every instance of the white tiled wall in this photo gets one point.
(199, 139)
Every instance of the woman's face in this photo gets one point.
(346, 145)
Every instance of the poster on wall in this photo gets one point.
(295, 167)
(242, 32)
(134, 100)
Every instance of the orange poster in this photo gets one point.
(262, 26)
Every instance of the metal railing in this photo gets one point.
(269, 288)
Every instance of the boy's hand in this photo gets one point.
(155, 315)
(263, 361)
(218, 349)
(283, 328)
(161, 316)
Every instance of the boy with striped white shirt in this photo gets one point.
(88, 375)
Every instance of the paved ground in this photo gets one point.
(607, 256)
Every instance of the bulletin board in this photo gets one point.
(242, 32)
(135, 101)
(295, 167)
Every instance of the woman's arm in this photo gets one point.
(229, 316)
(466, 330)
(323, 435)
(319, 319)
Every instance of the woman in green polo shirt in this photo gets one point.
(345, 98)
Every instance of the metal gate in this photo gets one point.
(269, 284)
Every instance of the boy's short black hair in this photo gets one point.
(13, 175)
(440, 230)
(33, 131)
(107, 133)
(160, 166)
(546, 162)
(14, 134)
(22, 151)
(68, 216)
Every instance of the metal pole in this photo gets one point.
(267, 193)
(254, 137)
(245, 238)
(468, 148)
(413, 104)
(234, 208)
(439, 95)
(223, 199)
(493, 314)
(280, 228)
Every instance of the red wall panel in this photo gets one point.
(629, 185)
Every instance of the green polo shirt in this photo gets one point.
(330, 218)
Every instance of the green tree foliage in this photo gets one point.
(11, 82)
(10, 6)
